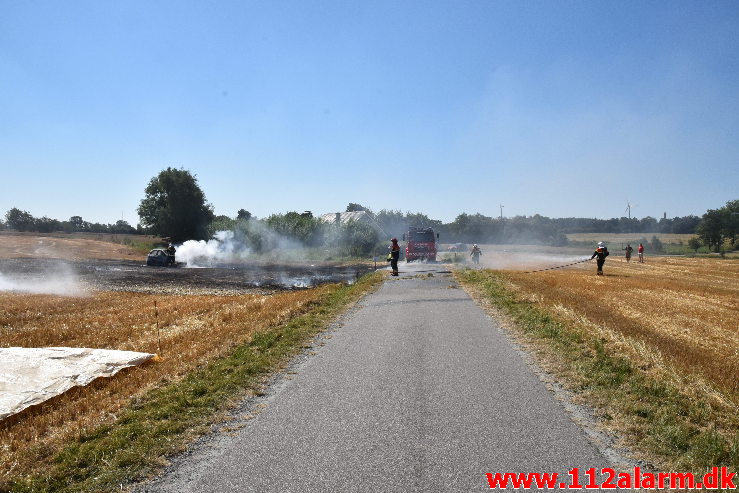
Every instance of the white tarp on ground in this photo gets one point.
(29, 376)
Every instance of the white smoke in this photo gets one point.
(226, 247)
(221, 249)
(504, 259)
(62, 282)
(523, 257)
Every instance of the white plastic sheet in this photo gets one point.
(29, 376)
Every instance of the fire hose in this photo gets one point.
(559, 266)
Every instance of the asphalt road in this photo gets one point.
(417, 390)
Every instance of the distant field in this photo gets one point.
(633, 238)
(110, 237)
(75, 246)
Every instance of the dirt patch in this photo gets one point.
(66, 247)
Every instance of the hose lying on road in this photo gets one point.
(559, 266)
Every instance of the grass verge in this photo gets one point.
(142, 245)
(165, 420)
(674, 427)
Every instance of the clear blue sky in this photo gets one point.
(557, 108)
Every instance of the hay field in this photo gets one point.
(193, 330)
(681, 314)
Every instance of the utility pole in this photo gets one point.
(501, 211)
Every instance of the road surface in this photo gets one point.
(416, 390)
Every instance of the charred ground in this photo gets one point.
(135, 276)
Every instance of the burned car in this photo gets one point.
(160, 257)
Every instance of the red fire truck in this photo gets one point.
(421, 244)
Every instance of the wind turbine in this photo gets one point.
(629, 205)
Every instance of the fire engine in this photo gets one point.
(421, 244)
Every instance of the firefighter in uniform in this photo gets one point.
(394, 256)
(601, 252)
(475, 253)
(171, 250)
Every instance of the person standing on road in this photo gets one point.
(640, 251)
(601, 252)
(628, 249)
(475, 254)
(394, 256)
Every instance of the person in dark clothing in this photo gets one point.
(171, 250)
(601, 252)
(628, 249)
(394, 256)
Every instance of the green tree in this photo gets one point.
(730, 229)
(78, 224)
(243, 215)
(694, 243)
(20, 220)
(656, 244)
(122, 227)
(174, 206)
(46, 225)
(392, 222)
(710, 228)
(352, 239)
(221, 223)
(302, 228)
(352, 207)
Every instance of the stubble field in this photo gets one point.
(192, 319)
(652, 348)
(684, 311)
(193, 330)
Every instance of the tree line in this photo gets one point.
(478, 228)
(720, 227)
(19, 220)
(175, 207)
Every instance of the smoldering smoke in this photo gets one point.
(220, 249)
(61, 281)
(225, 248)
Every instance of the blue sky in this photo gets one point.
(557, 108)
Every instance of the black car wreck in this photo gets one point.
(159, 257)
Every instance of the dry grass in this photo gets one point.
(683, 309)
(194, 330)
(653, 348)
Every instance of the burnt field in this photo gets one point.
(60, 292)
(74, 277)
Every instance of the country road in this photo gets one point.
(415, 390)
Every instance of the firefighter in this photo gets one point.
(394, 256)
(475, 253)
(171, 250)
(601, 252)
